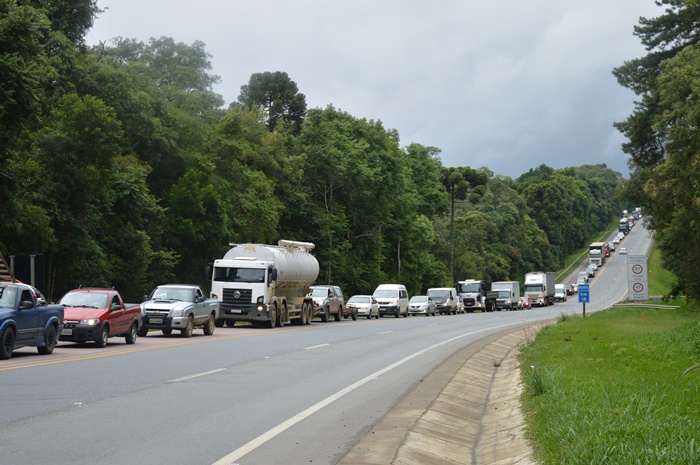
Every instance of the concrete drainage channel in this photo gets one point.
(466, 412)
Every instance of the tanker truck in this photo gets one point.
(265, 284)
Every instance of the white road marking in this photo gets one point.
(386, 332)
(282, 427)
(316, 347)
(185, 378)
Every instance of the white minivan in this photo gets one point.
(446, 300)
(392, 299)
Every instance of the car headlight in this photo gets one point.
(176, 313)
(90, 322)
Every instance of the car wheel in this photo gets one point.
(231, 323)
(339, 314)
(131, 336)
(219, 323)
(101, 341)
(7, 344)
(324, 316)
(209, 326)
(49, 341)
(189, 327)
(143, 331)
(167, 331)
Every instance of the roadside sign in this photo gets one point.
(637, 282)
(584, 295)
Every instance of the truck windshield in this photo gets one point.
(8, 297)
(239, 275)
(504, 294)
(533, 288)
(473, 287)
(84, 299)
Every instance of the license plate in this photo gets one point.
(235, 310)
(155, 321)
(66, 332)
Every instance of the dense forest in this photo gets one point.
(123, 168)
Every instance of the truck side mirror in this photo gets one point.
(26, 305)
(273, 275)
(207, 271)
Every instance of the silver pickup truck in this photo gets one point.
(178, 306)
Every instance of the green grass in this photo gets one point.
(660, 279)
(581, 255)
(619, 387)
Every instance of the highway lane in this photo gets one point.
(245, 395)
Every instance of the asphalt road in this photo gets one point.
(245, 395)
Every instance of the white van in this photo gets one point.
(392, 299)
(446, 300)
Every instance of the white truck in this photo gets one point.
(446, 300)
(266, 284)
(539, 287)
(508, 294)
(475, 295)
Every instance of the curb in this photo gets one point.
(466, 412)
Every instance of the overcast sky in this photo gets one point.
(507, 85)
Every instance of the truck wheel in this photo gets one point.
(49, 341)
(338, 315)
(273, 318)
(130, 337)
(219, 323)
(143, 331)
(231, 323)
(7, 344)
(167, 332)
(281, 317)
(101, 341)
(187, 332)
(209, 326)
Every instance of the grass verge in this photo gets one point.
(575, 259)
(615, 388)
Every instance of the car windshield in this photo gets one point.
(439, 293)
(357, 299)
(239, 275)
(319, 292)
(386, 294)
(8, 297)
(85, 299)
(418, 299)
(173, 293)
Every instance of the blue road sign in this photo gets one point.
(584, 295)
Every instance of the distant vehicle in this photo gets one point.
(596, 253)
(525, 303)
(421, 305)
(611, 246)
(581, 280)
(590, 270)
(570, 289)
(392, 299)
(560, 292)
(328, 302)
(508, 294)
(623, 251)
(474, 294)
(616, 241)
(575, 288)
(584, 275)
(539, 287)
(363, 305)
(446, 300)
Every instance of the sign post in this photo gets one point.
(638, 287)
(584, 296)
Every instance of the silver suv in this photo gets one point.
(329, 301)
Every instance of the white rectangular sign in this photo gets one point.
(638, 285)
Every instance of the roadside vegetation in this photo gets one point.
(618, 387)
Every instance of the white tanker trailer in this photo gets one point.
(265, 284)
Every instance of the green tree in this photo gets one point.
(278, 96)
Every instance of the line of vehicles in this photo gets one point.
(271, 285)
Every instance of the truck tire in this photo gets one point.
(101, 341)
(49, 341)
(273, 318)
(131, 335)
(7, 344)
(219, 323)
(231, 323)
(209, 326)
(143, 331)
(167, 331)
(187, 332)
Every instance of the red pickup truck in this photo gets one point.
(95, 315)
